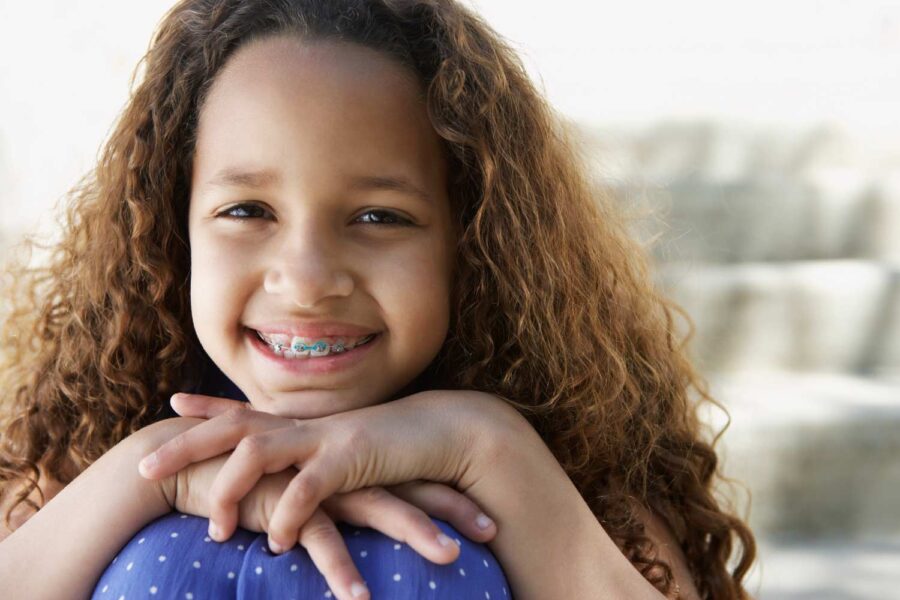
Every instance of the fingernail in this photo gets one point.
(483, 521)
(357, 589)
(149, 462)
(213, 531)
(275, 547)
(444, 540)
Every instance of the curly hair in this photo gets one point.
(96, 338)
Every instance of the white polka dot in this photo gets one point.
(174, 534)
(458, 543)
(432, 584)
(240, 546)
(153, 589)
(462, 572)
(115, 559)
(196, 564)
(128, 568)
(293, 568)
(105, 587)
(328, 594)
(264, 549)
(356, 532)
(141, 541)
(258, 570)
(504, 591)
(162, 558)
(364, 553)
(397, 577)
(230, 574)
(189, 596)
(122, 597)
(183, 517)
(396, 546)
(487, 595)
(485, 562)
(207, 539)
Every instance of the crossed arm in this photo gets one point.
(548, 541)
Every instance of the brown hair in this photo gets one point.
(96, 340)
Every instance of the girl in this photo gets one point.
(381, 181)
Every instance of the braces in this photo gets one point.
(319, 346)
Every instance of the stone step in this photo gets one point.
(726, 192)
(819, 452)
(837, 569)
(841, 316)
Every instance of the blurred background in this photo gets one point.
(761, 139)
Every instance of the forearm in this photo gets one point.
(61, 551)
(549, 542)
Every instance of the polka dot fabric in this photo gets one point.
(174, 558)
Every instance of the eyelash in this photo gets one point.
(247, 207)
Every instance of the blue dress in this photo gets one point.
(173, 557)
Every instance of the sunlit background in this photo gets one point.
(765, 136)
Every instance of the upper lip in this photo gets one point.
(310, 329)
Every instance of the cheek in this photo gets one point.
(414, 295)
(215, 285)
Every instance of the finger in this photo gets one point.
(254, 456)
(206, 440)
(379, 509)
(448, 504)
(318, 479)
(207, 407)
(329, 553)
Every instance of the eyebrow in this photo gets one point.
(263, 178)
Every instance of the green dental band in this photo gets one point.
(319, 346)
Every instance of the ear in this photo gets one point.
(206, 407)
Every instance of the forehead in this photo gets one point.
(285, 102)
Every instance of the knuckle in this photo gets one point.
(413, 515)
(252, 446)
(236, 415)
(357, 442)
(373, 495)
(319, 532)
(175, 447)
(305, 487)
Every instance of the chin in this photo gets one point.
(303, 404)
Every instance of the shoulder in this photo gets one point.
(670, 552)
(22, 512)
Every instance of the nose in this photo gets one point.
(306, 269)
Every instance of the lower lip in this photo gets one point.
(311, 366)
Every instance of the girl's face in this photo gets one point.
(318, 212)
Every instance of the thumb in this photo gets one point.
(207, 407)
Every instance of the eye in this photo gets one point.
(241, 212)
(384, 217)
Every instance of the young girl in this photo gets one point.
(365, 216)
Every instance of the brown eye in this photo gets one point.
(240, 212)
(384, 217)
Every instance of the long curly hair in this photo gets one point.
(97, 337)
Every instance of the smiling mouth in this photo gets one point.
(297, 348)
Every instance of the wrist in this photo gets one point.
(146, 441)
(549, 541)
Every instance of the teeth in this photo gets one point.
(295, 347)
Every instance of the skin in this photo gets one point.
(297, 109)
(308, 248)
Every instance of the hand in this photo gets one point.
(431, 435)
(399, 512)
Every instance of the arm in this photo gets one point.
(472, 440)
(91, 518)
(549, 542)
